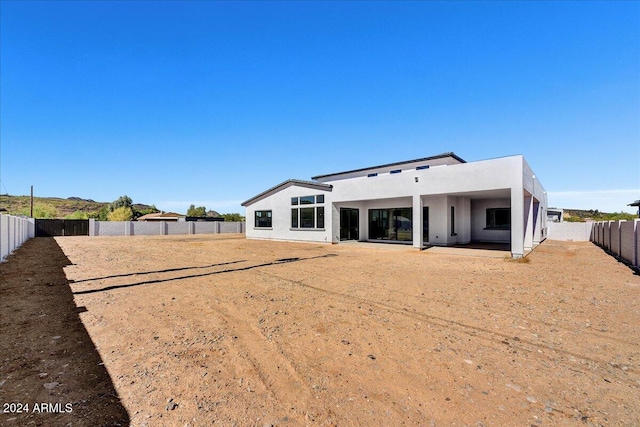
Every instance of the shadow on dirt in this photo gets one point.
(168, 270)
(213, 273)
(49, 365)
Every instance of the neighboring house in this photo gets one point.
(162, 216)
(637, 205)
(555, 215)
(438, 200)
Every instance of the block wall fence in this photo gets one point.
(14, 231)
(162, 228)
(620, 238)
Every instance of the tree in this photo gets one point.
(122, 202)
(100, 215)
(77, 215)
(200, 211)
(40, 211)
(233, 217)
(121, 214)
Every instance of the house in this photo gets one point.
(438, 200)
(162, 216)
(555, 215)
(637, 205)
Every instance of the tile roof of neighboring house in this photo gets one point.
(160, 215)
(438, 156)
(308, 184)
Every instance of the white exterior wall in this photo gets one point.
(462, 185)
(14, 231)
(279, 204)
(479, 221)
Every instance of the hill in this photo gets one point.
(54, 207)
(581, 215)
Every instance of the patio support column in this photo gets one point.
(537, 223)
(517, 222)
(528, 222)
(335, 224)
(417, 222)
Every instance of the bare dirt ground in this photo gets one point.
(218, 330)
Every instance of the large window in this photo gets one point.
(263, 219)
(307, 216)
(391, 224)
(499, 219)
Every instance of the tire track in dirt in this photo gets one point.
(276, 371)
(487, 335)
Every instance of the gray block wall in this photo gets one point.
(570, 231)
(155, 228)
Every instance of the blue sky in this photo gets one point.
(174, 103)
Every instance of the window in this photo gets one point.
(307, 217)
(394, 224)
(499, 219)
(422, 167)
(371, 175)
(453, 221)
(320, 217)
(396, 171)
(263, 219)
(307, 200)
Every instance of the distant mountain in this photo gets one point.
(21, 205)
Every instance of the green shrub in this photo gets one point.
(121, 214)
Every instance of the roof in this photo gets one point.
(438, 156)
(308, 184)
(636, 203)
(159, 215)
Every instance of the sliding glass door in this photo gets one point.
(390, 224)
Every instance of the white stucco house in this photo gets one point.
(438, 200)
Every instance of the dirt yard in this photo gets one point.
(219, 330)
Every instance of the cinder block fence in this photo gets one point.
(621, 238)
(163, 228)
(14, 231)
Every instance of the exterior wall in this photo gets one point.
(155, 228)
(615, 237)
(232, 227)
(572, 231)
(148, 228)
(433, 163)
(280, 205)
(628, 236)
(14, 231)
(624, 240)
(205, 227)
(479, 221)
(606, 230)
(174, 228)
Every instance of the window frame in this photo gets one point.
(490, 219)
(268, 214)
(313, 213)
